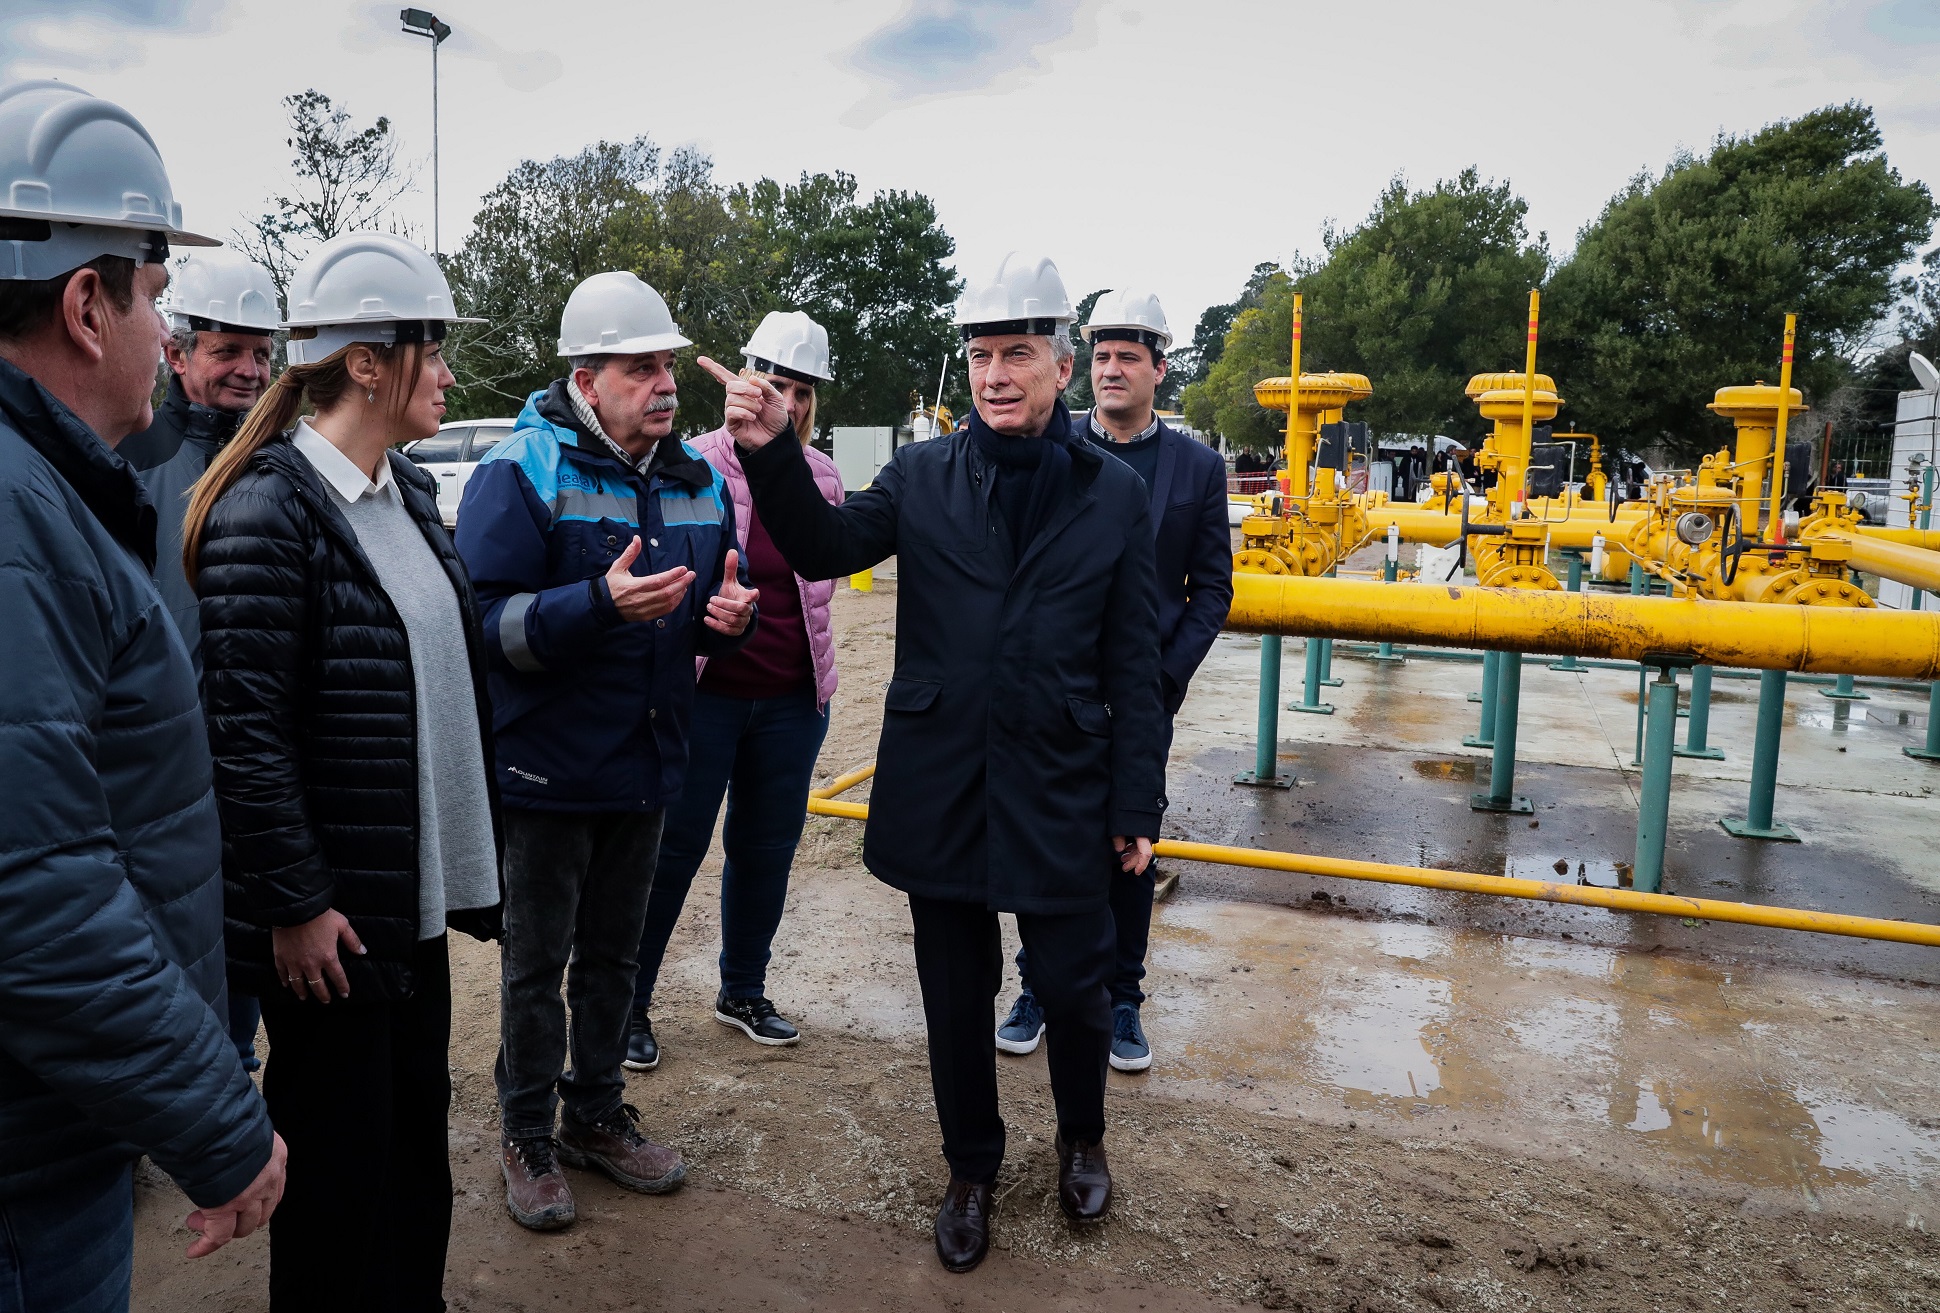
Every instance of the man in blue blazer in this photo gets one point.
(1186, 484)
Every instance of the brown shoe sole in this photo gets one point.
(593, 1162)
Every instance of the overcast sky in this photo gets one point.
(1171, 145)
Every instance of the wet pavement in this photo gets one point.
(1737, 1057)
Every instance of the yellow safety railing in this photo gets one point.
(824, 802)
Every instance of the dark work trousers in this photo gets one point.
(244, 1014)
(1131, 914)
(576, 886)
(69, 1248)
(760, 753)
(960, 965)
(361, 1094)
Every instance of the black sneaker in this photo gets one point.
(756, 1018)
(642, 1050)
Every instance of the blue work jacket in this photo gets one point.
(590, 711)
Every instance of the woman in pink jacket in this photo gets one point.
(758, 721)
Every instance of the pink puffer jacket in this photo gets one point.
(717, 449)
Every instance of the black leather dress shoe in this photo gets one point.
(1084, 1182)
(963, 1225)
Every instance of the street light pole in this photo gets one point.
(422, 22)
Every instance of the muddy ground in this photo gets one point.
(814, 1171)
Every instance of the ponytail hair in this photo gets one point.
(323, 384)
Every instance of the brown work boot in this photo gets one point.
(615, 1146)
(536, 1193)
(963, 1225)
(1084, 1182)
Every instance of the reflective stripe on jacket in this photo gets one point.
(590, 711)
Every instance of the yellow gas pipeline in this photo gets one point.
(823, 802)
(1828, 640)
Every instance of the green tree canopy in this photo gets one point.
(874, 273)
(1428, 290)
(1681, 285)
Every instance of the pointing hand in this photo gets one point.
(754, 411)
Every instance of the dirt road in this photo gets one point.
(815, 1170)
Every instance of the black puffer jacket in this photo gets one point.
(312, 709)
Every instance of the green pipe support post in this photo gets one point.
(1266, 750)
(1843, 690)
(1757, 821)
(1491, 681)
(1654, 791)
(1386, 651)
(1501, 796)
(1639, 585)
(1310, 686)
(1575, 585)
(1327, 679)
(1932, 750)
(1698, 733)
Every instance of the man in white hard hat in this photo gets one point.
(111, 961)
(223, 312)
(1186, 485)
(602, 549)
(1022, 760)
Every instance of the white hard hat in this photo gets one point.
(79, 178)
(1128, 315)
(616, 314)
(366, 287)
(223, 292)
(1025, 296)
(791, 345)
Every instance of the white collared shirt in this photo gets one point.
(337, 469)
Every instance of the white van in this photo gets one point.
(452, 453)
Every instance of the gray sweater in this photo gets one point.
(457, 863)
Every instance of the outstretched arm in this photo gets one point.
(819, 541)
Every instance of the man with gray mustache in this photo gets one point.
(602, 550)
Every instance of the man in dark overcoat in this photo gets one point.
(1193, 549)
(1022, 754)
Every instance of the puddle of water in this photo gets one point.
(1576, 870)
(1377, 1044)
(1871, 1140)
(1461, 768)
(1842, 716)
(1569, 1042)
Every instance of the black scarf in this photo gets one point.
(1029, 477)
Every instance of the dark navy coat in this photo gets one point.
(1193, 544)
(589, 711)
(1023, 727)
(112, 1035)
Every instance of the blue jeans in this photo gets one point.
(70, 1249)
(760, 753)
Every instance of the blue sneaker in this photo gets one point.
(1023, 1028)
(1129, 1051)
